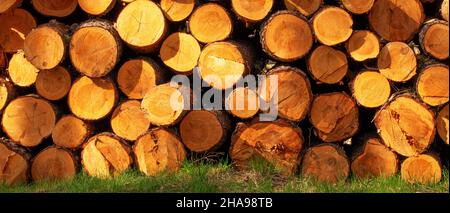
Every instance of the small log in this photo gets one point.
(6, 5)
(54, 163)
(374, 159)
(341, 21)
(105, 155)
(432, 84)
(306, 8)
(137, 76)
(397, 62)
(14, 163)
(294, 93)
(434, 39)
(142, 26)
(243, 103)
(327, 65)
(97, 7)
(205, 131)
(204, 22)
(7, 92)
(21, 72)
(363, 45)
(444, 10)
(357, 6)
(326, 163)
(99, 59)
(71, 132)
(396, 20)
(28, 120)
(406, 125)
(442, 124)
(53, 84)
(335, 117)
(180, 52)
(423, 169)
(371, 89)
(278, 142)
(92, 98)
(286, 36)
(159, 151)
(252, 11)
(14, 26)
(128, 120)
(228, 62)
(55, 8)
(177, 10)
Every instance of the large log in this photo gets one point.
(180, 52)
(14, 163)
(14, 26)
(21, 72)
(205, 21)
(341, 21)
(71, 132)
(128, 120)
(371, 89)
(434, 39)
(53, 84)
(363, 45)
(55, 8)
(397, 62)
(432, 84)
(424, 169)
(54, 163)
(328, 65)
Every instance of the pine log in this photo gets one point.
(159, 151)
(99, 59)
(6, 5)
(243, 103)
(293, 93)
(21, 72)
(278, 142)
(53, 84)
(363, 45)
(14, 163)
(210, 23)
(434, 39)
(396, 20)
(305, 7)
(397, 62)
(433, 84)
(374, 159)
(7, 92)
(205, 131)
(137, 76)
(223, 64)
(97, 7)
(325, 163)
(164, 105)
(327, 65)
(371, 89)
(177, 10)
(339, 19)
(71, 132)
(128, 120)
(423, 169)
(55, 8)
(286, 36)
(14, 26)
(335, 117)
(358, 6)
(442, 124)
(180, 52)
(251, 11)
(444, 10)
(142, 26)
(105, 155)
(92, 98)
(406, 125)
(54, 163)
(28, 120)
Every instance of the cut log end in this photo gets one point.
(335, 117)
(252, 11)
(423, 169)
(27, 120)
(374, 160)
(286, 36)
(243, 103)
(442, 124)
(406, 126)
(16, 24)
(180, 52)
(397, 62)
(53, 84)
(204, 21)
(358, 6)
(21, 72)
(434, 39)
(105, 155)
(341, 21)
(328, 65)
(306, 8)
(52, 164)
(177, 10)
(55, 8)
(326, 163)
(363, 45)
(128, 120)
(433, 85)
(15, 164)
(70, 132)
(159, 151)
(371, 89)
(92, 98)
(98, 7)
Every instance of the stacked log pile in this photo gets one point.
(363, 87)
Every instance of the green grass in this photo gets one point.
(221, 177)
